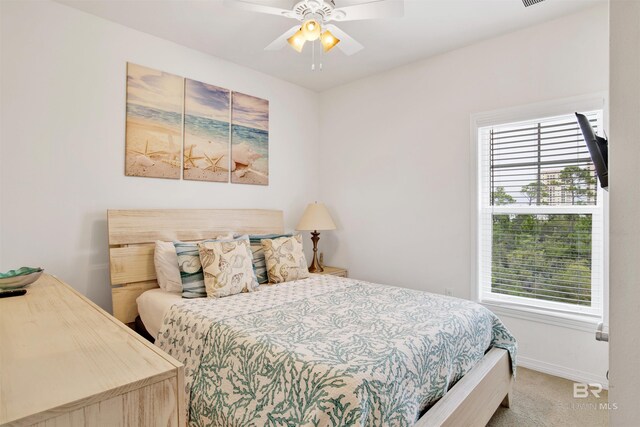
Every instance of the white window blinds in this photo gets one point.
(541, 226)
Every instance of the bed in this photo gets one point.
(319, 351)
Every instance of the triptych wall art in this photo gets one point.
(181, 127)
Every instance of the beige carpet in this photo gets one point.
(543, 400)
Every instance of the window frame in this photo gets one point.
(584, 318)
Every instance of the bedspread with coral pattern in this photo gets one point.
(325, 351)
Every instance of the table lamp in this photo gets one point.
(315, 217)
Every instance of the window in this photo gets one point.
(540, 221)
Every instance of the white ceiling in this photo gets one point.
(428, 28)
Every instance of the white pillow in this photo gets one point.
(167, 270)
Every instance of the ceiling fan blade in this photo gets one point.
(281, 41)
(348, 44)
(372, 10)
(259, 8)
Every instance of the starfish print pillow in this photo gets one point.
(259, 263)
(190, 267)
(227, 267)
(285, 259)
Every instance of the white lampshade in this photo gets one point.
(316, 217)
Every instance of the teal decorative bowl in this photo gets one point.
(15, 279)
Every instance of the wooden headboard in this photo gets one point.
(132, 234)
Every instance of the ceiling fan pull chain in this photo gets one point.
(323, 22)
(321, 56)
(313, 56)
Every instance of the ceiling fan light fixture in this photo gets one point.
(311, 30)
(328, 40)
(297, 41)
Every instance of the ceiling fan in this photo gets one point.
(314, 18)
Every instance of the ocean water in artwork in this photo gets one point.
(154, 123)
(159, 117)
(210, 129)
(206, 132)
(256, 140)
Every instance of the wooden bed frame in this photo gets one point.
(132, 233)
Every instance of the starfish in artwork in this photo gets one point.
(147, 152)
(213, 163)
(189, 158)
(172, 162)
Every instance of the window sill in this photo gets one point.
(580, 322)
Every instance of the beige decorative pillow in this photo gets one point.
(285, 259)
(190, 267)
(227, 267)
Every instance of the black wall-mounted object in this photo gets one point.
(598, 148)
(528, 3)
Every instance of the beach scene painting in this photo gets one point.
(249, 139)
(154, 123)
(206, 132)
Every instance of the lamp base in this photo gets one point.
(315, 266)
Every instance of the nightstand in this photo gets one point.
(335, 271)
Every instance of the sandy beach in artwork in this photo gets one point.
(205, 160)
(152, 149)
(245, 175)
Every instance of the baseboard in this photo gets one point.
(563, 372)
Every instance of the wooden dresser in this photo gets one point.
(66, 362)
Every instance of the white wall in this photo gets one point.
(62, 139)
(395, 151)
(625, 211)
(394, 148)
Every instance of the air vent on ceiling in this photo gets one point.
(528, 3)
